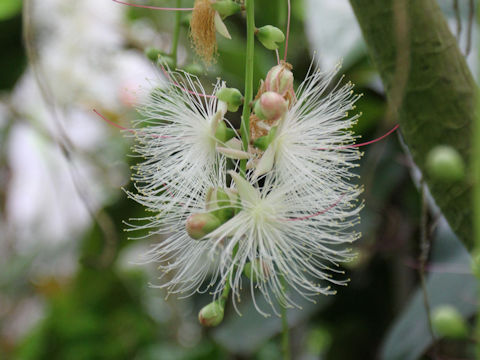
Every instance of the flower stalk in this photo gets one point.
(245, 126)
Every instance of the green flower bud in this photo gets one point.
(269, 36)
(211, 314)
(264, 141)
(233, 97)
(448, 322)
(200, 224)
(445, 163)
(194, 69)
(271, 106)
(223, 133)
(226, 7)
(153, 54)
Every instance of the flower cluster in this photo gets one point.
(284, 222)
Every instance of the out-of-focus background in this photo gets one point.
(71, 286)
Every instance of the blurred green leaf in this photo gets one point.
(9, 8)
(449, 283)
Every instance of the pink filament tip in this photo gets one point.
(152, 7)
(362, 144)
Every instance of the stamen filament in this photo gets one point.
(152, 7)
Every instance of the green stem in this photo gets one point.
(245, 126)
(225, 292)
(285, 329)
(176, 33)
(476, 198)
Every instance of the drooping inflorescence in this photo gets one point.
(277, 220)
(272, 210)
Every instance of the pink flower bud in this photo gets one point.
(200, 224)
(271, 106)
(280, 80)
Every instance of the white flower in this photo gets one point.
(294, 251)
(176, 137)
(313, 141)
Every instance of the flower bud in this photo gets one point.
(233, 97)
(211, 314)
(448, 322)
(280, 80)
(270, 36)
(226, 8)
(271, 106)
(445, 163)
(200, 224)
(153, 53)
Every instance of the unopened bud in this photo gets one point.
(448, 322)
(270, 36)
(233, 97)
(271, 106)
(200, 224)
(280, 79)
(445, 163)
(226, 8)
(211, 314)
(223, 133)
(153, 54)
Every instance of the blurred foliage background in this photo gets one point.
(71, 286)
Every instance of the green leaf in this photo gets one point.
(9, 8)
(450, 283)
(433, 87)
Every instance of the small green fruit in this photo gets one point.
(448, 322)
(445, 163)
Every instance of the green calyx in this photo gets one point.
(233, 97)
(223, 133)
(221, 203)
(270, 36)
(211, 314)
(263, 142)
(226, 8)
